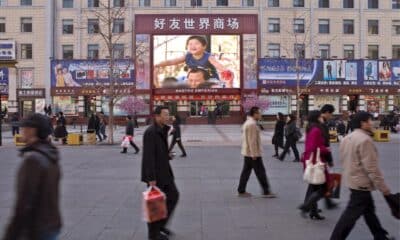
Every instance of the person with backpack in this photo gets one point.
(293, 135)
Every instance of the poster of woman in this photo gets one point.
(351, 71)
(385, 73)
(370, 70)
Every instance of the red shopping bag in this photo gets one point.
(154, 205)
(334, 185)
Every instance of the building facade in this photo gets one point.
(67, 30)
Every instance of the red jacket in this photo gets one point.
(314, 140)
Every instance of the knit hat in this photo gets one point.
(38, 121)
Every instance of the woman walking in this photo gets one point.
(291, 139)
(277, 139)
(176, 136)
(61, 129)
(314, 141)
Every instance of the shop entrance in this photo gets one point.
(173, 107)
(198, 108)
(90, 105)
(27, 107)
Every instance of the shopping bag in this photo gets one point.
(334, 185)
(314, 173)
(154, 205)
(125, 142)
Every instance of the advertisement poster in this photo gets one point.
(370, 70)
(26, 78)
(90, 73)
(321, 100)
(395, 70)
(385, 72)
(119, 112)
(4, 80)
(330, 70)
(196, 61)
(277, 104)
(351, 71)
(39, 105)
(65, 104)
(249, 61)
(340, 69)
(142, 61)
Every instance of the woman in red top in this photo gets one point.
(314, 140)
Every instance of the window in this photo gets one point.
(273, 3)
(248, 3)
(26, 51)
(68, 3)
(274, 50)
(348, 3)
(2, 25)
(93, 3)
(26, 2)
(170, 3)
(222, 2)
(144, 3)
(3, 2)
(373, 4)
(298, 3)
(118, 25)
(396, 27)
(68, 26)
(373, 27)
(274, 25)
(325, 51)
(298, 25)
(93, 26)
(348, 51)
(323, 3)
(119, 3)
(396, 52)
(299, 51)
(93, 51)
(26, 24)
(395, 4)
(68, 51)
(373, 51)
(348, 26)
(118, 51)
(323, 25)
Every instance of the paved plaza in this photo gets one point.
(101, 191)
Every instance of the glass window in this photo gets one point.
(274, 50)
(118, 51)
(348, 51)
(298, 25)
(26, 2)
(395, 4)
(26, 51)
(274, 25)
(68, 26)
(323, 3)
(3, 2)
(396, 27)
(68, 3)
(222, 2)
(93, 26)
(119, 3)
(373, 27)
(93, 51)
(248, 3)
(298, 3)
(373, 51)
(93, 3)
(348, 3)
(373, 4)
(170, 3)
(396, 52)
(26, 24)
(348, 26)
(118, 25)
(273, 3)
(323, 25)
(2, 24)
(324, 51)
(144, 3)
(68, 51)
(299, 51)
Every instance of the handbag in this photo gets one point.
(154, 205)
(314, 173)
(334, 185)
(125, 142)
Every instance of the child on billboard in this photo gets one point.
(197, 56)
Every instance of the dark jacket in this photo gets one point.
(130, 130)
(279, 132)
(37, 208)
(177, 130)
(327, 140)
(91, 124)
(155, 162)
(290, 130)
(61, 130)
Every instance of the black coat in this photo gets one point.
(177, 130)
(327, 139)
(155, 161)
(129, 129)
(279, 132)
(91, 124)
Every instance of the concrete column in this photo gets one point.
(390, 102)
(81, 104)
(49, 51)
(362, 105)
(344, 102)
(12, 90)
(293, 103)
(98, 103)
(311, 103)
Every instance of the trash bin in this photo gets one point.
(381, 135)
(18, 140)
(333, 136)
(75, 139)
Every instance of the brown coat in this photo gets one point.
(251, 140)
(360, 162)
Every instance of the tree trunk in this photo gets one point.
(111, 121)
(298, 92)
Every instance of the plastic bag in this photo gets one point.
(125, 142)
(154, 205)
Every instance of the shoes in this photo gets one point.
(137, 151)
(275, 156)
(160, 237)
(244, 195)
(166, 231)
(316, 216)
(303, 211)
(269, 195)
(183, 155)
(280, 158)
(331, 205)
(123, 151)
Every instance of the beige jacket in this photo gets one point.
(360, 160)
(251, 140)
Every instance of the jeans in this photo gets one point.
(50, 235)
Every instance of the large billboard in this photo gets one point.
(4, 80)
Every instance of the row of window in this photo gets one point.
(274, 50)
(118, 51)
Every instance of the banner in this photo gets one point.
(4, 80)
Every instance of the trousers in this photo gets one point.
(179, 141)
(260, 172)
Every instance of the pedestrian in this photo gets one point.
(91, 128)
(314, 140)
(157, 171)
(61, 129)
(135, 121)
(15, 124)
(103, 125)
(252, 151)
(362, 175)
(37, 208)
(97, 126)
(176, 135)
(292, 137)
(279, 132)
(129, 132)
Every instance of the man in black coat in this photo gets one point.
(156, 169)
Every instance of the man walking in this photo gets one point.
(129, 132)
(37, 208)
(156, 169)
(362, 175)
(251, 150)
(176, 135)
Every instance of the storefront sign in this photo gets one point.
(4, 80)
(86, 91)
(31, 93)
(195, 97)
(197, 91)
(7, 50)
